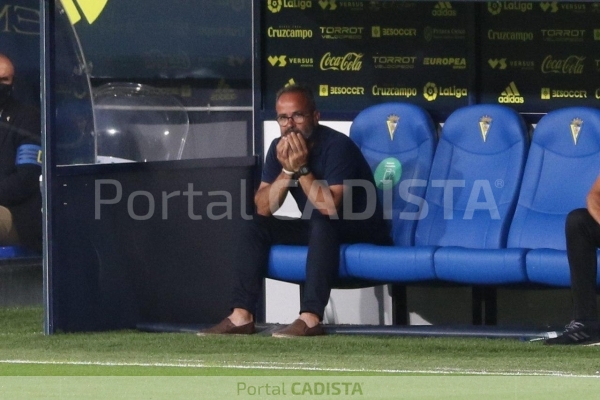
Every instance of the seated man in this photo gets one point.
(583, 239)
(20, 167)
(316, 165)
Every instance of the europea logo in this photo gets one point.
(90, 9)
(276, 5)
(511, 95)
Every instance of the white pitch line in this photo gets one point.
(262, 365)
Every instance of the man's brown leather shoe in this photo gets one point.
(299, 328)
(226, 327)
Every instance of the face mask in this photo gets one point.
(5, 92)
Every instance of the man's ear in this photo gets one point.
(316, 116)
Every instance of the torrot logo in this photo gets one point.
(277, 61)
(551, 6)
(90, 9)
(328, 4)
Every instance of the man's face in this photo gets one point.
(295, 104)
(7, 71)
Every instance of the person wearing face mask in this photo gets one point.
(317, 166)
(20, 166)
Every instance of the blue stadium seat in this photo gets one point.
(563, 162)
(413, 145)
(476, 223)
(11, 252)
(405, 136)
(481, 153)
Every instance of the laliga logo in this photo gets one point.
(494, 7)
(430, 91)
(275, 6)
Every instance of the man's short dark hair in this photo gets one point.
(303, 90)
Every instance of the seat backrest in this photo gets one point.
(563, 162)
(398, 140)
(475, 178)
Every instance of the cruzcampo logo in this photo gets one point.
(388, 173)
(91, 9)
(392, 123)
(484, 126)
(576, 128)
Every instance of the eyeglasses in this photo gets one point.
(284, 120)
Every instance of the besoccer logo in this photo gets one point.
(275, 5)
(430, 91)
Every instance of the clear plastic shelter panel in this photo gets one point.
(151, 81)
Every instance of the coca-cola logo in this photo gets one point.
(348, 62)
(570, 65)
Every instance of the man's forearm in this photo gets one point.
(269, 198)
(319, 194)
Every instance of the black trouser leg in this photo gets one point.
(322, 265)
(252, 254)
(583, 239)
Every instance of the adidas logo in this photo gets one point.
(91, 10)
(224, 92)
(511, 95)
(443, 9)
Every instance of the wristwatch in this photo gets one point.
(304, 170)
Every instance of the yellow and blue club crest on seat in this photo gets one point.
(484, 126)
(576, 128)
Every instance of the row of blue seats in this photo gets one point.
(482, 203)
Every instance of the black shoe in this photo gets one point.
(577, 333)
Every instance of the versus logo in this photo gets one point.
(328, 4)
(275, 60)
(91, 10)
(500, 63)
(549, 6)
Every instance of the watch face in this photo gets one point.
(303, 171)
